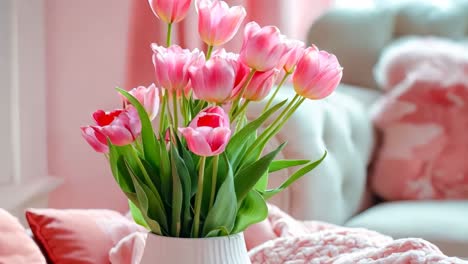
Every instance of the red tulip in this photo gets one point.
(148, 98)
(261, 85)
(170, 11)
(218, 78)
(317, 74)
(209, 132)
(172, 66)
(263, 48)
(217, 22)
(122, 127)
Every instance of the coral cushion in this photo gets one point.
(15, 244)
(78, 236)
(423, 119)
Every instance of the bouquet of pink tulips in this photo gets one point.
(201, 170)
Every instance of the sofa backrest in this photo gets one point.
(357, 36)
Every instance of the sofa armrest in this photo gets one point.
(335, 190)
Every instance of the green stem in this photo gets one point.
(168, 35)
(241, 123)
(198, 197)
(143, 170)
(176, 114)
(268, 133)
(162, 115)
(235, 104)
(208, 52)
(276, 91)
(213, 179)
(278, 126)
(241, 110)
(184, 110)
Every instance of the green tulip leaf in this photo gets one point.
(218, 232)
(151, 205)
(187, 157)
(137, 215)
(248, 176)
(251, 211)
(222, 215)
(121, 175)
(278, 165)
(182, 184)
(177, 197)
(262, 183)
(166, 174)
(237, 143)
(296, 176)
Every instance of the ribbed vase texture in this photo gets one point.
(216, 250)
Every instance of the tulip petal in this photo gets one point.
(196, 140)
(118, 135)
(218, 140)
(95, 139)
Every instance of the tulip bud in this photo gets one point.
(217, 22)
(216, 81)
(148, 98)
(317, 74)
(260, 85)
(170, 11)
(172, 66)
(295, 53)
(263, 48)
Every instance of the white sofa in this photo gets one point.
(336, 191)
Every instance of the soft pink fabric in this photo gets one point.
(129, 250)
(423, 120)
(317, 242)
(78, 236)
(282, 239)
(15, 244)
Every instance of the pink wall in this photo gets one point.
(86, 43)
(86, 57)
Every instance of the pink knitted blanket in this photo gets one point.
(282, 239)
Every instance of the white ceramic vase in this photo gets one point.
(216, 250)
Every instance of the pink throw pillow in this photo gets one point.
(424, 120)
(15, 244)
(78, 236)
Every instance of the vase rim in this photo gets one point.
(240, 234)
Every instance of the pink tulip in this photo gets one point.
(295, 53)
(242, 71)
(218, 78)
(122, 127)
(170, 11)
(208, 134)
(317, 74)
(263, 48)
(217, 22)
(172, 66)
(148, 97)
(95, 139)
(261, 85)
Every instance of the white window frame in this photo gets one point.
(24, 179)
